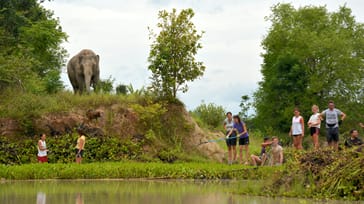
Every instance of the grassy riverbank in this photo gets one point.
(111, 170)
(324, 174)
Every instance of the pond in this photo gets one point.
(131, 191)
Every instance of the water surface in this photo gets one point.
(132, 191)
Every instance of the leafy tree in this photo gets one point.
(245, 105)
(311, 56)
(172, 55)
(122, 89)
(211, 114)
(31, 55)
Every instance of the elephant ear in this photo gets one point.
(80, 58)
(97, 58)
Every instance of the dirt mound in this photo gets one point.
(199, 140)
(9, 126)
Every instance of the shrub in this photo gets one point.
(211, 114)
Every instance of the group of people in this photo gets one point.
(333, 117)
(236, 130)
(42, 155)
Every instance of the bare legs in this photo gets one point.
(316, 143)
(246, 149)
(78, 159)
(232, 153)
(256, 160)
(297, 142)
(334, 145)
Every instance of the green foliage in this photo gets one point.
(322, 174)
(211, 114)
(31, 56)
(149, 116)
(172, 55)
(311, 56)
(124, 169)
(105, 85)
(121, 89)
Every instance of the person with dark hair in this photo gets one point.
(354, 139)
(297, 129)
(230, 138)
(242, 134)
(259, 160)
(80, 146)
(314, 123)
(334, 118)
(42, 149)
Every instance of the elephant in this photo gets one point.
(84, 71)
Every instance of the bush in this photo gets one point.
(212, 115)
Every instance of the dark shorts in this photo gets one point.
(332, 134)
(296, 135)
(244, 141)
(43, 159)
(79, 155)
(314, 130)
(232, 140)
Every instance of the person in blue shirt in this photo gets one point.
(242, 134)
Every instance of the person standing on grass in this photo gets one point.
(42, 149)
(80, 146)
(230, 138)
(242, 134)
(334, 118)
(314, 123)
(297, 129)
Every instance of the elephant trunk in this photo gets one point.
(87, 82)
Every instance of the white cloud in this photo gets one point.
(117, 31)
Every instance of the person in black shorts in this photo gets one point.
(231, 139)
(242, 134)
(333, 118)
(314, 123)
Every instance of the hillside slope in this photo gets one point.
(146, 126)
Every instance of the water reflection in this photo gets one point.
(41, 198)
(79, 199)
(133, 192)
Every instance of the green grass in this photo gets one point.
(113, 170)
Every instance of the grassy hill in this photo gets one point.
(118, 127)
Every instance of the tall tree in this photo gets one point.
(31, 55)
(311, 55)
(172, 55)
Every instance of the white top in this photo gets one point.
(42, 153)
(315, 118)
(297, 125)
(229, 125)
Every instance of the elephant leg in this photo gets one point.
(81, 84)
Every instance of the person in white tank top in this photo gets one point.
(297, 129)
(42, 149)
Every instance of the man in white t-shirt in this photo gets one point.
(333, 118)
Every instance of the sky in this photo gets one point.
(117, 30)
